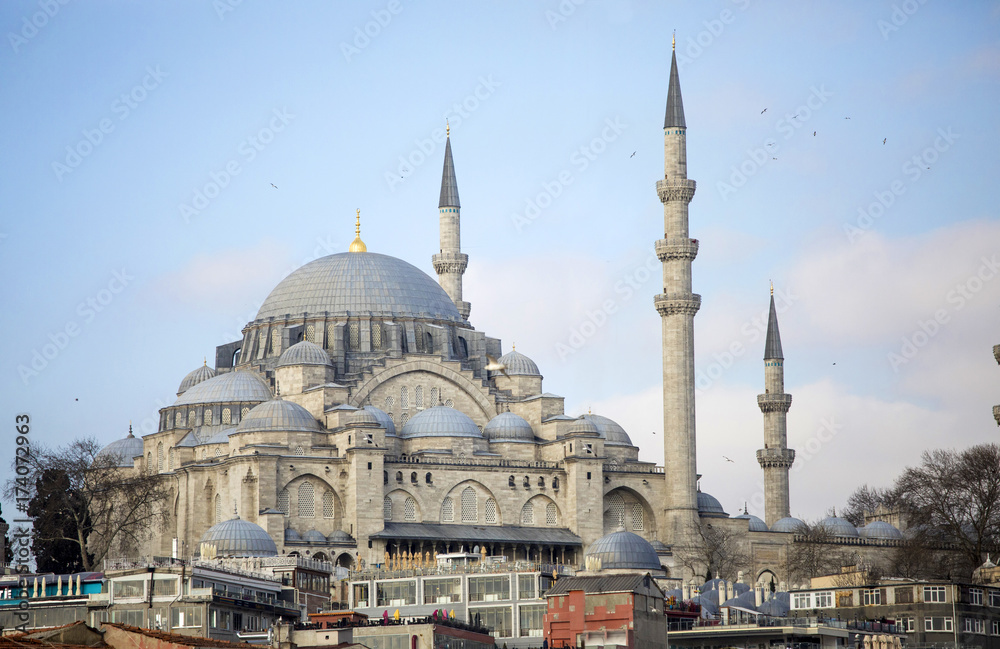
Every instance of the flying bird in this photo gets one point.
(273, 185)
(847, 118)
(633, 155)
(814, 133)
(493, 365)
(728, 460)
(763, 111)
(884, 139)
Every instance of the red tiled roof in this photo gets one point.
(186, 640)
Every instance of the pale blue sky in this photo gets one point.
(546, 88)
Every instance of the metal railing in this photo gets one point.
(514, 464)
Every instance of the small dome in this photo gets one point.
(519, 365)
(122, 449)
(304, 353)
(362, 417)
(789, 524)
(623, 550)
(340, 536)
(745, 600)
(880, 530)
(659, 547)
(278, 415)
(313, 536)
(239, 538)
(227, 388)
(777, 606)
(195, 377)
(709, 506)
(839, 527)
(384, 420)
(708, 601)
(508, 426)
(610, 430)
(582, 426)
(440, 421)
(292, 536)
(755, 524)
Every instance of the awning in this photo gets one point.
(478, 533)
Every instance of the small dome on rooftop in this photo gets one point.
(788, 524)
(278, 415)
(508, 426)
(123, 450)
(880, 530)
(519, 365)
(304, 353)
(238, 386)
(440, 421)
(709, 506)
(583, 426)
(836, 526)
(622, 550)
(313, 536)
(340, 536)
(755, 524)
(383, 419)
(194, 377)
(239, 538)
(610, 430)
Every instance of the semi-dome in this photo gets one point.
(314, 536)
(340, 536)
(360, 283)
(227, 388)
(278, 415)
(610, 430)
(239, 538)
(304, 353)
(519, 365)
(880, 530)
(508, 426)
(583, 426)
(440, 421)
(755, 524)
(836, 526)
(622, 550)
(709, 506)
(122, 450)
(194, 377)
(383, 419)
(788, 524)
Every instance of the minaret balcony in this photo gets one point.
(672, 304)
(996, 414)
(450, 263)
(668, 249)
(781, 458)
(675, 189)
(996, 353)
(774, 402)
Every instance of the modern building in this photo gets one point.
(606, 611)
(49, 600)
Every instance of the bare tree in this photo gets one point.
(865, 500)
(113, 508)
(723, 551)
(812, 554)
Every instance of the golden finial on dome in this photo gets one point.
(772, 288)
(357, 245)
(673, 40)
(447, 128)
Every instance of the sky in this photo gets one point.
(166, 164)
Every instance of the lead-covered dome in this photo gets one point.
(383, 419)
(610, 430)
(278, 415)
(227, 388)
(755, 524)
(440, 421)
(880, 530)
(304, 353)
(194, 377)
(507, 427)
(519, 365)
(122, 450)
(836, 526)
(788, 524)
(709, 506)
(355, 283)
(623, 550)
(239, 538)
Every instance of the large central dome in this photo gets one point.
(360, 283)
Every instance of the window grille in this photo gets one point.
(218, 452)
(149, 462)
(389, 403)
(208, 416)
(616, 505)
(330, 331)
(191, 418)
(353, 334)
(410, 509)
(449, 403)
(387, 508)
(299, 450)
(275, 341)
(403, 418)
(311, 333)
(404, 397)
(434, 397)
(528, 514)
(470, 513)
(448, 510)
(244, 411)
(218, 508)
(327, 504)
(307, 501)
(283, 501)
(491, 512)
(550, 514)
(376, 335)
(637, 521)
(227, 416)
(159, 457)
(418, 396)
(179, 419)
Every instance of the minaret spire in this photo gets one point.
(450, 264)
(775, 458)
(677, 306)
(357, 245)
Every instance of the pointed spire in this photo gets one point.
(449, 184)
(357, 245)
(675, 106)
(772, 344)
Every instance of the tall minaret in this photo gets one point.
(677, 306)
(996, 409)
(775, 458)
(450, 263)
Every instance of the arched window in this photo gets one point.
(244, 411)
(470, 511)
(541, 482)
(218, 508)
(179, 419)
(149, 462)
(389, 402)
(449, 403)
(227, 416)
(463, 348)
(307, 500)
(159, 457)
(418, 396)
(218, 452)
(434, 397)
(491, 512)
(527, 482)
(510, 482)
(528, 513)
(447, 510)
(385, 477)
(190, 418)
(555, 483)
(616, 510)
(353, 335)
(170, 460)
(387, 508)
(275, 341)
(403, 418)
(208, 416)
(311, 333)
(550, 514)
(637, 522)
(327, 504)
(404, 397)
(413, 477)
(283, 501)
(410, 509)
(376, 335)
(399, 476)
(428, 342)
(427, 478)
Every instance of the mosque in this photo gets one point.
(362, 415)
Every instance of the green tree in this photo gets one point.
(55, 533)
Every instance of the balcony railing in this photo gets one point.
(441, 461)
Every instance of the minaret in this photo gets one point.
(677, 306)
(450, 263)
(996, 409)
(775, 458)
